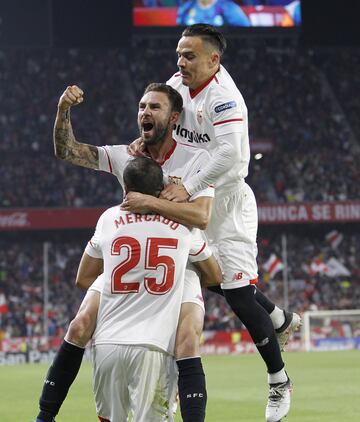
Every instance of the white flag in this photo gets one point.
(336, 268)
(273, 265)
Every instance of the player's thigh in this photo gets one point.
(191, 319)
(234, 231)
(152, 384)
(110, 382)
(83, 325)
(90, 303)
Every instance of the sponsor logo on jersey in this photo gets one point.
(191, 136)
(237, 276)
(174, 180)
(225, 106)
(199, 116)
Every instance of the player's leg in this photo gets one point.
(191, 384)
(110, 380)
(284, 322)
(67, 361)
(152, 384)
(237, 224)
(226, 222)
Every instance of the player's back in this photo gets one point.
(144, 263)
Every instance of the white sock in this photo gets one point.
(277, 377)
(277, 317)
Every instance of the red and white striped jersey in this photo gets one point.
(144, 266)
(215, 109)
(180, 163)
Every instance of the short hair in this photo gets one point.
(144, 175)
(174, 97)
(208, 33)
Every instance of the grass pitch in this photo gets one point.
(326, 388)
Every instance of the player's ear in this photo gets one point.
(174, 117)
(215, 59)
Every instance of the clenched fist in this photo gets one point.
(72, 95)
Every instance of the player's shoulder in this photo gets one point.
(175, 81)
(122, 148)
(224, 86)
(111, 213)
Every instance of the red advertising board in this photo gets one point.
(80, 218)
(311, 212)
(48, 218)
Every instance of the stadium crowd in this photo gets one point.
(296, 100)
(21, 280)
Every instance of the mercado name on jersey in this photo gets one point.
(214, 109)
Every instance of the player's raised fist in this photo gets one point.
(72, 95)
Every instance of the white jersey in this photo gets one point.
(144, 265)
(211, 113)
(180, 163)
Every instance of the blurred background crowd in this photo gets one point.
(297, 99)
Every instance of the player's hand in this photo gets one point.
(136, 202)
(175, 193)
(137, 148)
(72, 95)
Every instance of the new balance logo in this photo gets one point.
(237, 276)
(52, 383)
(194, 395)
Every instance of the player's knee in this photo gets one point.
(80, 329)
(189, 330)
(241, 300)
(188, 347)
(188, 342)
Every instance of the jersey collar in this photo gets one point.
(169, 153)
(195, 92)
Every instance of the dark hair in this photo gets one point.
(143, 175)
(174, 97)
(208, 33)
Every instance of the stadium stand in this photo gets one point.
(289, 97)
(296, 100)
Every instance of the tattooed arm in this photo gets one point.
(66, 146)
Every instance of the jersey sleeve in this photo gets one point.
(227, 112)
(93, 248)
(199, 162)
(228, 116)
(113, 159)
(199, 249)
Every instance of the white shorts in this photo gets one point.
(192, 288)
(232, 231)
(134, 383)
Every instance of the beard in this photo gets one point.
(159, 133)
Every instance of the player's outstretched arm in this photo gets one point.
(196, 213)
(65, 144)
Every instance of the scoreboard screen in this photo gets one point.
(237, 13)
